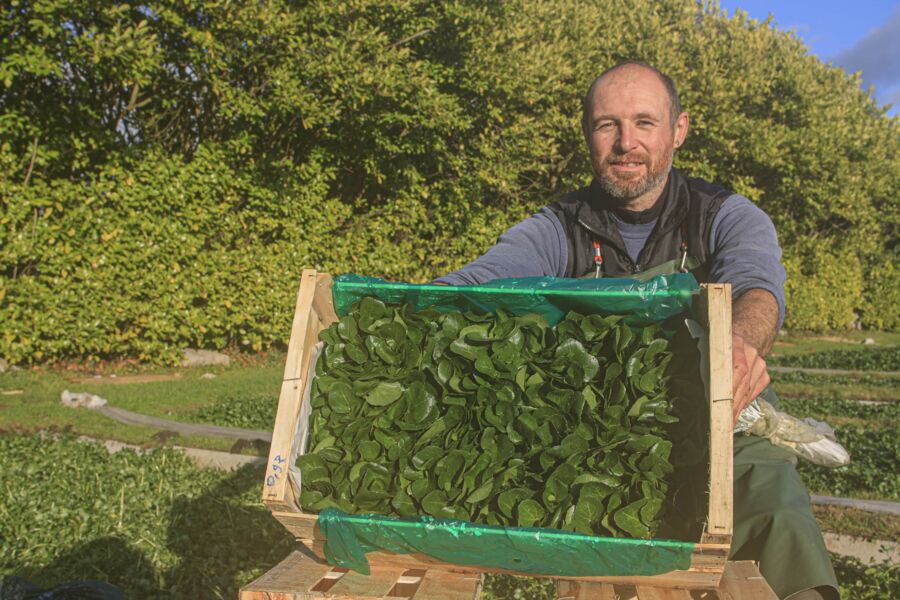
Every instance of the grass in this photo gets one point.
(840, 391)
(798, 342)
(858, 523)
(859, 581)
(860, 359)
(151, 524)
(38, 406)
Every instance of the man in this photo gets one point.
(640, 217)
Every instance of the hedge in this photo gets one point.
(167, 169)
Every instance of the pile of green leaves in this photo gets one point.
(876, 359)
(496, 419)
(250, 411)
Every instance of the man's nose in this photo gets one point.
(626, 140)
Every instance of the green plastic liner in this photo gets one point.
(536, 551)
(551, 297)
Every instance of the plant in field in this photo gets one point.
(497, 419)
(875, 359)
(871, 435)
(816, 379)
(250, 411)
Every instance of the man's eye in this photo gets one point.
(603, 126)
(645, 123)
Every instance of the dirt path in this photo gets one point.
(132, 418)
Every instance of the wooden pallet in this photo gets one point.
(315, 312)
(302, 576)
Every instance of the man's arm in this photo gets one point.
(745, 253)
(535, 247)
(754, 323)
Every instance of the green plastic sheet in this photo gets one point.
(548, 552)
(537, 551)
(551, 297)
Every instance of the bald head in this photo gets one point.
(632, 68)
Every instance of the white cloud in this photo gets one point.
(877, 54)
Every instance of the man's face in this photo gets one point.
(630, 135)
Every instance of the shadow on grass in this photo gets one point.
(110, 559)
(217, 542)
(223, 538)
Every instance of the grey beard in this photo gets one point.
(625, 192)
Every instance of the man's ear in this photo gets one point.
(681, 128)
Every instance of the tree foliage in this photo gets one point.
(168, 168)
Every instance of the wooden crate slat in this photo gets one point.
(743, 581)
(293, 577)
(301, 525)
(440, 585)
(718, 306)
(301, 576)
(277, 492)
(655, 593)
(376, 585)
(574, 590)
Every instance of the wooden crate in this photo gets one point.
(315, 312)
(303, 576)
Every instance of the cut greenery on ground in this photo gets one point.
(152, 524)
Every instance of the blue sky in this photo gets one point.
(863, 35)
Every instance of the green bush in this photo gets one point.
(167, 169)
(881, 296)
(823, 287)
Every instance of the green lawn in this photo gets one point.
(799, 342)
(186, 398)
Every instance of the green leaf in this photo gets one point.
(508, 499)
(369, 450)
(435, 503)
(403, 504)
(529, 513)
(628, 519)
(384, 393)
(481, 493)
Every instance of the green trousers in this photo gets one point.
(773, 519)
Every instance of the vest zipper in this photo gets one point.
(624, 253)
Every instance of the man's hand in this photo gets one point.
(750, 377)
(754, 324)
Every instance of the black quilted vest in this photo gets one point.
(690, 206)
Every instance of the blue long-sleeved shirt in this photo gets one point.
(743, 250)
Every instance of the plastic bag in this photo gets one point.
(539, 551)
(809, 439)
(642, 303)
